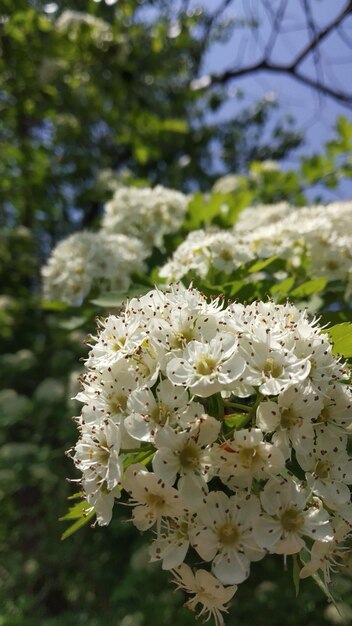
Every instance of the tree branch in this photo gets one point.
(315, 41)
(292, 68)
(261, 66)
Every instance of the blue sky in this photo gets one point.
(315, 115)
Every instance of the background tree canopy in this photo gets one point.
(92, 95)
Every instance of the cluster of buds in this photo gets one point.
(225, 429)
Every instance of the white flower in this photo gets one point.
(336, 414)
(152, 499)
(147, 413)
(187, 454)
(89, 261)
(97, 453)
(172, 544)
(207, 591)
(146, 213)
(290, 418)
(203, 250)
(282, 531)
(223, 534)
(327, 474)
(273, 370)
(206, 368)
(247, 456)
(329, 556)
(117, 339)
(101, 499)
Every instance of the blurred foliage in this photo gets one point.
(86, 99)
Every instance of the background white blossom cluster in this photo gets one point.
(88, 260)
(146, 213)
(135, 221)
(224, 428)
(317, 238)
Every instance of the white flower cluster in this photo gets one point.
(225, 427)
(88, 260)
(146, 213)
(203, 251)
(318, 238)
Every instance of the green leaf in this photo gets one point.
(236, 286)
(144, 456)
(53, 305)
(72, 322)
(77, 525)
(295, 574)
(81, 513)
(116, 298)
(341, 335)
(260, 265)
(309, 288)
(281, 290)
(236, 420)
(174, 125)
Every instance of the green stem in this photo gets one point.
(237, 405)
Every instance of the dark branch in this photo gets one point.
(292, 68)
(343, 98)
(315, 41)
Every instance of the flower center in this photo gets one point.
(292, 520)
(226, 255)
(182, 338)
(155, 500)
(271, 368)
(117, 403)
(160, 414)
(205, 365)
(289, 418)
(324, 416)
(229, 534)
(322, 469)
(332, 265)
(249, 457)
(189, 457)
(118, 344)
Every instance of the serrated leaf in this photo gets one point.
(260, 265)
(341, 336)
(81, 512)
(309, 288)
(77, 525)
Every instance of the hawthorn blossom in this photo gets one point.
(206, 590)
(246, 456)
(146, 213)
(223, 534)
(152, 499)
(224, 428)
(206, 368)
(287, 520)
(187, 454)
